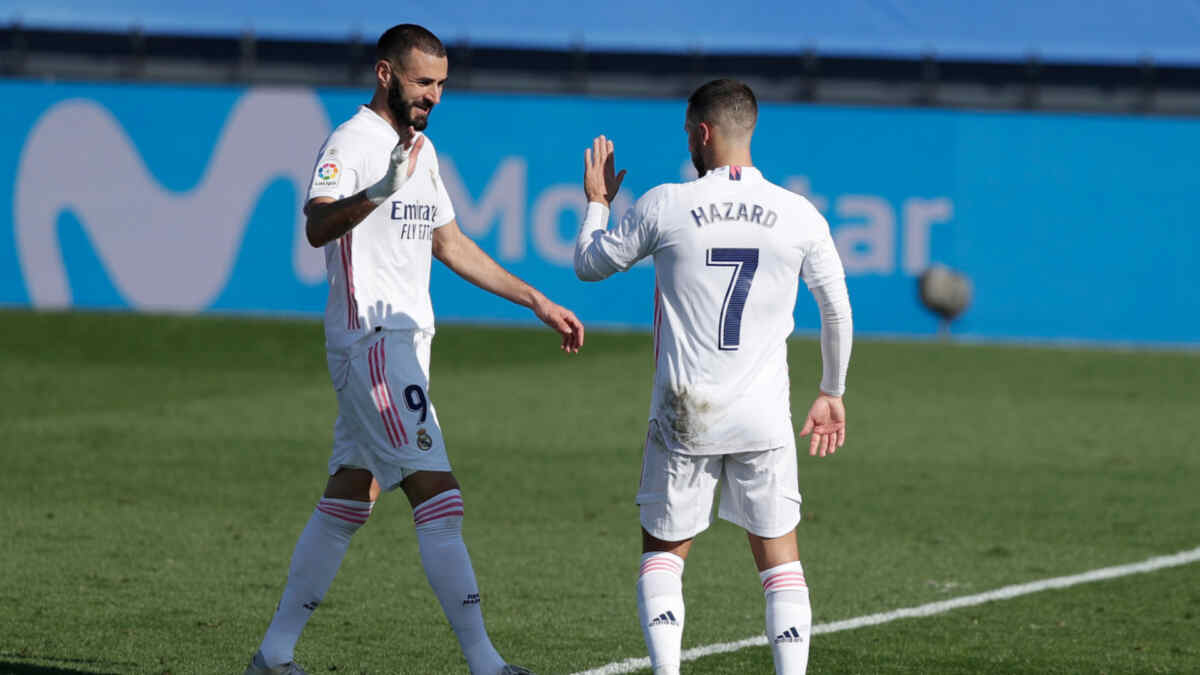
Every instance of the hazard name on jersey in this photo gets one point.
(417, 220)
(720, 212)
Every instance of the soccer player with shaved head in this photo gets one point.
(379, 209)
(729, 251)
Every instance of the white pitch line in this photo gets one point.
(1149, 565)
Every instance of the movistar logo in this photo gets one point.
(161, 249)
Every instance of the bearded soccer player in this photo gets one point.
(729, 250)
(378, 207)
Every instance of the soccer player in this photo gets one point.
(378, 207)
(729, 250)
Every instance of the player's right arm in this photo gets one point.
(600, 253)
(329, 218)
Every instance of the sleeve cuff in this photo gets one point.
(597, 213)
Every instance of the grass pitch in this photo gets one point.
(157, 471)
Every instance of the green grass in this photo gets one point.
(157, 470)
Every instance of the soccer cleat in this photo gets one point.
(510, 669)
(259, 667)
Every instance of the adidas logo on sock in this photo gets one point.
(665, 619)
(311, 606)
(472, 599)
(789, 635)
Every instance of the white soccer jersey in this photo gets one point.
(379, 271)
(729, 250)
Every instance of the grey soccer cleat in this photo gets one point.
(510, 669)
(259, 667)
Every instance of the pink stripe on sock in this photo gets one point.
(440, 506)
(347, 511)
(784, 575)
(437, 501)
(661, 565)
(669, 559)
(784, 587)
(351, 511)
(454, 508)
(439, 516)
(335, 502)
(784, 580)
(350, 519)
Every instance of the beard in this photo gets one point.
(403, 110)
(697, 162)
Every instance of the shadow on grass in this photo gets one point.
(19, 668)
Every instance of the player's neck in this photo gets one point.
(730, 160)
(732, 156)
(379, 106)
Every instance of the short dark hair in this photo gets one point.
(728, 104)
(397, 41)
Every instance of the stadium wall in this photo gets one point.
(186, 199)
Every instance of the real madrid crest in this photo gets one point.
(424, 440)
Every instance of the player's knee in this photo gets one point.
(444, 512)
(425, 486)
(352, 484)
(652, 544)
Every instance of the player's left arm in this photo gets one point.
(826, 419)
(826, 279)
(458, 252)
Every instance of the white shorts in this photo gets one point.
(386, 423)
(759, 490)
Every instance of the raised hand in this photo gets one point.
(827, 422)
(600, 181)
(401, 165)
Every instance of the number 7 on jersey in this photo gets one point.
(745, 263)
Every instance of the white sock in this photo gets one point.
(660, 609)
(448, 568)
(315, 562)
(789, 617)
